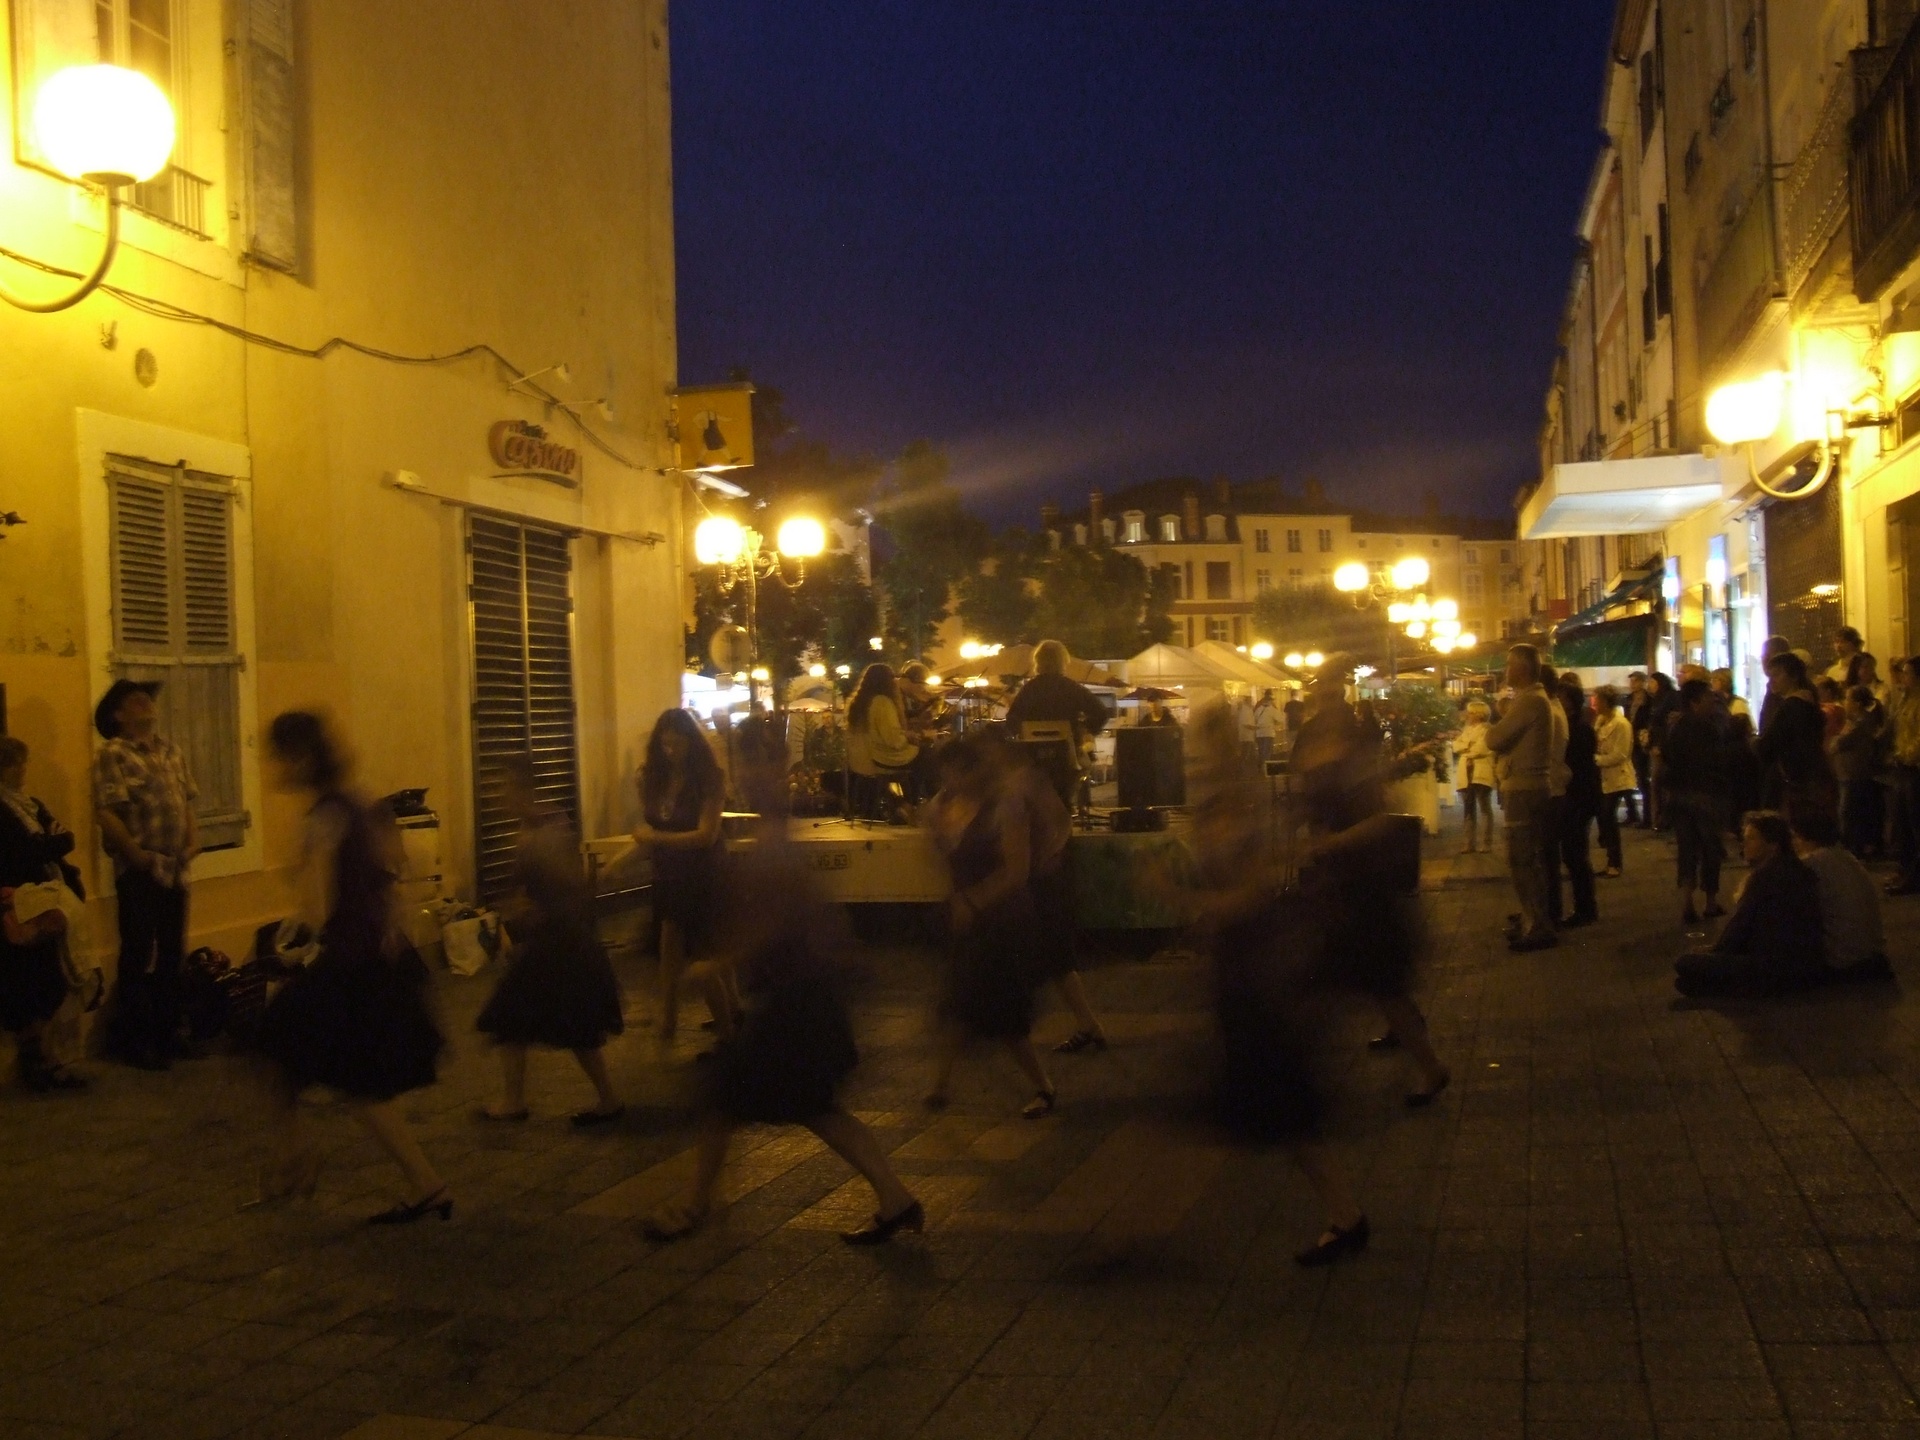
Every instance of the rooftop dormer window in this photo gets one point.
(1216, 527)
(1170, 529)
(1136, 522)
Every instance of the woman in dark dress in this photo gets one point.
(1795, 773)
(785, 1049)
(33, 971)
(682, 794)
(558, 989)
(1273, 954)
(354, 1018)
(992, 964)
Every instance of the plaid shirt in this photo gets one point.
(148, 787)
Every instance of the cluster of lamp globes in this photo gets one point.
(722, 540)
(1436, 622)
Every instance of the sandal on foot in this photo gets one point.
(1334, 1244)
(1420, 1099)
(1081, 1040)
(913, 1218)
(587, 1119)
(672, 1222)
(1040, 1106)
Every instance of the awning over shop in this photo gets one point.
(1628, 592)
(1608, 645)
(1619, 497)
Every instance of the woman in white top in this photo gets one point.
(1473, 774)
(1613, 752)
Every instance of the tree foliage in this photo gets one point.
(1100, 602)
(932, 544)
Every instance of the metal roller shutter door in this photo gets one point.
(521, 600)
(1805, 572)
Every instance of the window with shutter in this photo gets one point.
(48, 36)
(274, 232)
(520, 589)
(173, 621)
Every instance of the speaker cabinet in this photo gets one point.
(1150, 762)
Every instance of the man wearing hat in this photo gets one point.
(143, 797)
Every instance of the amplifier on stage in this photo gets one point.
(1151, 766)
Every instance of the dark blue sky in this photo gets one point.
(1080, 243)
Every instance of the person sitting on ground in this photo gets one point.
(1773, 942)
(1854, 940)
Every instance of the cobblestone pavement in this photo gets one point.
(1623, 1219)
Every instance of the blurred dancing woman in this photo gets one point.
(682, 793)
(33, 966)
(558, 989)
(1374, 932)
(1272, 1006)
(784, 1053)
(355, 1017)
(991, 974)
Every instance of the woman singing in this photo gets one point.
(355, 1017)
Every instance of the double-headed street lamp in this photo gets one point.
(739, 553)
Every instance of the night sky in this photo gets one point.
(1083, 244)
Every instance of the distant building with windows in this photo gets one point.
(1224, 543)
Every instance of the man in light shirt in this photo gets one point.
(1522, 744)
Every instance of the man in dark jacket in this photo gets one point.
(1581, 805)
(1694, 772)
(1773, 942)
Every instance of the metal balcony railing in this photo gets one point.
(1813, 197)
(176, 197)
(1884, 173)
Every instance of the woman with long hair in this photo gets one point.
(991, 972)
(877, 739)
(558, 989)
(354, 1016)
(682, 794)
(785, 1048)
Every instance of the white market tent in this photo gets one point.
(1175, 667)
(1243, 668)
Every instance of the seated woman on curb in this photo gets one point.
(1772, 943)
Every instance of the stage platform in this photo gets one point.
(861, 862)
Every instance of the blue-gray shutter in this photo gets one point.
(273, 236)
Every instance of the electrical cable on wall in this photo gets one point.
(166, 310)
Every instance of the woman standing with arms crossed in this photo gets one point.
(355, 1017)
(682, 794)
(558, 989)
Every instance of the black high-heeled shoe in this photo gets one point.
(439, 1203)
(913, 1218)
(1342, 1242)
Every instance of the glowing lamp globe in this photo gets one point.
(1446, 610)
(969, 649)
(934, 680)
(1315, 659)
(1399, 612)
(761, 673)
(1351, 577)
(718, 541)
(876, 643)
(104, 123)
(1416, 629)
(1466, 641)
(1444, 644)
(802, 538)
(1411, 573)
(1748, 410)
(1295, 660)
(817, 672)
(1261, 650)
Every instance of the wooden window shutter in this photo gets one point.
(173, 621)
(274, 233)
(48, 35)
(142, 576)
